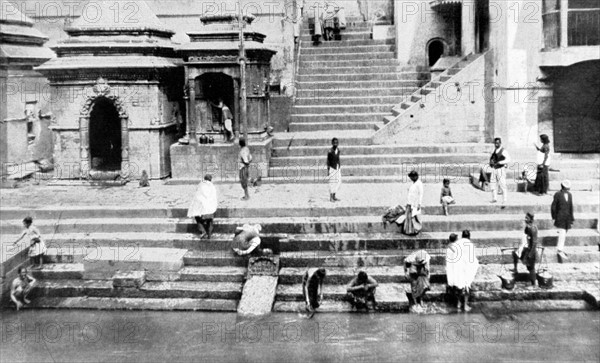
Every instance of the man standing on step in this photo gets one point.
(499, 163)
(244, 159)
(334, 171)
(562, 214)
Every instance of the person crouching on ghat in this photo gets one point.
(416, 267)
(361, 290)
(204, 206)
(312, 288)
(37, 247)
(21, 287)
(247, 240)
(334, 170)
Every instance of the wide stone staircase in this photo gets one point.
(120, 258)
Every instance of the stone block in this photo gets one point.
(383, 32)
(129, 279)
(258, 295)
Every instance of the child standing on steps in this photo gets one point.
(37, 247)
(446, 196)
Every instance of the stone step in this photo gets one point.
(116, 303)
(427, 172)
(380, 159)
(375, 117)
(54, 271)
(323, 57)
(333, 224)
(338, 77)
(397, 93)
(353, 69)
(358, 35)
(331, 98)
(292, 139)
(390, 293)
(364, 85)
(213, 273)
(319, 126)
(215, 258)
(382, 150)
(308, 44)
(163, 290)
(334, 64)
(555, 184)
(488, 243)
(347, 48)
(341, 109)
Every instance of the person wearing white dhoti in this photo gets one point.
(203, 206)
(412, 223)
(499, 163)
(461, 267)
(334, 170)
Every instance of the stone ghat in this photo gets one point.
(151, 258)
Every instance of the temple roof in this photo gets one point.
(20, 42)
(120, 17)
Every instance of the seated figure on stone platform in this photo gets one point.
(204, 206)
(247, 240)
(361, 290)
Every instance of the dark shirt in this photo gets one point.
(333, 158)
(497, 156)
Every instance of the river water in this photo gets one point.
(87, 335)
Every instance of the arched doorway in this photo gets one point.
(210, 87)
(435, 50)
(576, 108)
(105, 136)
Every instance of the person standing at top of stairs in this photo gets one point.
(334, 170)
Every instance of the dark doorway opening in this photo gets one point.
(214, 86)
(105, 136)
(435, 51)
(482, 25)
(576, 108)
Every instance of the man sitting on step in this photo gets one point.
(21, 287)
(361, 290)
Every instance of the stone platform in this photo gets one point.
(343, 237)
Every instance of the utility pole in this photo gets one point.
(242, 60)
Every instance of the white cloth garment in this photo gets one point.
(461, 263)
(205, 200)
(335, 180)
(415, 195)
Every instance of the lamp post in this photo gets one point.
(242, 60)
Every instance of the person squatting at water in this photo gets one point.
(247, 240)
(361, 290)
(245, 158)
(527, 250)
(542, 181)
(312, 288)
(37, 247)
(334, 170)
(446, 196)
(461, 268)
(21, 287)
(562, 214)
(416, 267)
(204, 206)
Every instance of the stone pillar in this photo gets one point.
(125, 171)
(192, 111)
(188, 106)
(467, 37)
(236, 96)
(84, 142)
(564, 19)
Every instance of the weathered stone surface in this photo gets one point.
(129, 279)
(116, 303)
(258, 295)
